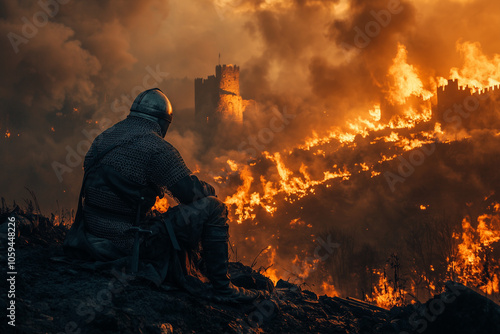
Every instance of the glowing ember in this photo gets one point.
(161, 205)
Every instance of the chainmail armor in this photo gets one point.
(112, 228)
(94, 197)
(142, 156)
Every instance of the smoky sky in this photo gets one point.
(86, 61)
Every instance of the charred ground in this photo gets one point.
(54, 297)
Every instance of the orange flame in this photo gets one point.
(474, 264)
(478, 71)
(406, 80)
(161, 205)
(384, 294)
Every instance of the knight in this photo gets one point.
(126, 168)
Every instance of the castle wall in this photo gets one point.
(458, 107)
(205, 98)
(217, 98)
(229, 78)
(230, 108)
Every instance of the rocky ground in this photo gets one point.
(55, 297)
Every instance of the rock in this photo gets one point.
(286, 285)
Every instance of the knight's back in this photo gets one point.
(130, 147)
(133, 142)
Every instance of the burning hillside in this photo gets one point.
(54, 296)
(405, 202)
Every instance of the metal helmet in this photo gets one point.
(152, 104)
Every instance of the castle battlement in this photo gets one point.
(452, 97)
(453, 86)
(490, 90)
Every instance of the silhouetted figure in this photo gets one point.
(126, 167)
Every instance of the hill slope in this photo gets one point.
(54, 297)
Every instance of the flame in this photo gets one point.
(161, 205)
(293, 187)
(478, 71)
(376, 113)
(328, 289)
(393, 137)
(406, 80)
(335, 133)
(7, 134)
(474, 264)
(233, 165)
(297, 222)
(272, 272)
(384, 294)
(289, 180)
(486, 228)
(240, 198)
(304, 268)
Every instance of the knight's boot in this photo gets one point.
(215, 242)
(216, 259)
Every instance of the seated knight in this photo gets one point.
(126, 168)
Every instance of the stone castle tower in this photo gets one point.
(217, 98)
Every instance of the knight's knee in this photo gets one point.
(215, 201)
(217, 206)
(212, 205)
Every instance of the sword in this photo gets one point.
(137, 230)
(134, 264)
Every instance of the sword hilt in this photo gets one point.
(137, 230)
